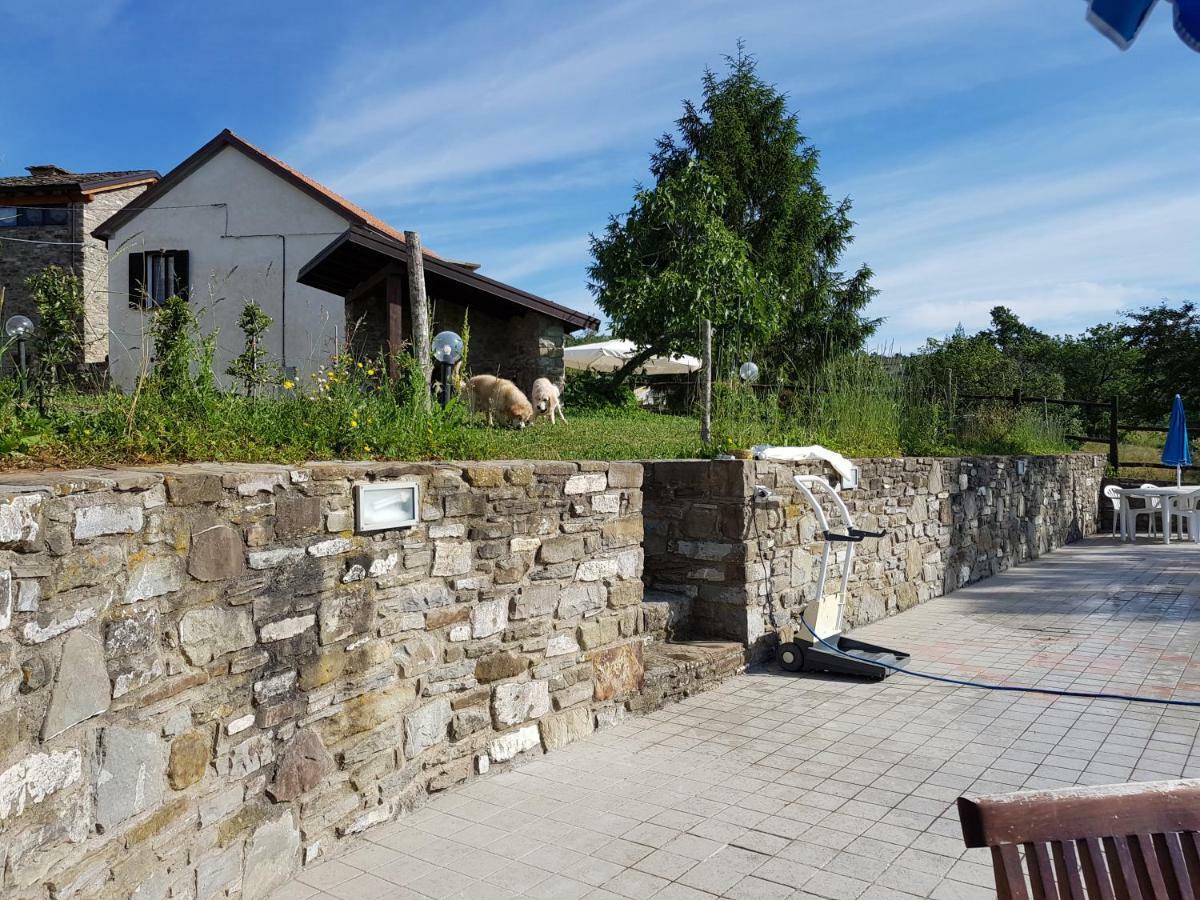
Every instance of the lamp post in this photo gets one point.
(20, 327)
(447, 350)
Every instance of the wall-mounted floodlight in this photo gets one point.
(447, 350)
(388, 504)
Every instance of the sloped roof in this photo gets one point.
(84, 182)
(353, 213)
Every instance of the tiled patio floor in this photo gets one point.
(780, 785)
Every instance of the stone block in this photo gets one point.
(467, 722)
(535, 601)
(297, 515)
(597, 569)
(36, 777)
(216, 554)
(561, 644)
(488, 618)
(426, 726)
(21, 521)
(617, 671)
(484, 476)
(625, 593)
(586, 483)
(330, 547)
(622, 532)
(286, 628)
(303, 764)
(209, 632)
(581, 600)
(562, 548)
(417, 655)
(498, 666)
(517, 702)
(153, 577)
(506, 746)
(580, 692)
(344, 614)
(452, 558)
(269, 559)
(81, 689)
(624, 475)
(191, 752)
(107, 518)
(189, 489)
(563, 728)
(130, 774)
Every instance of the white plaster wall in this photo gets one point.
(228, 215)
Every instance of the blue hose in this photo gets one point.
(1020, 689)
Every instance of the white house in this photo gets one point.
(231, 224)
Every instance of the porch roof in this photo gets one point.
(360, 255)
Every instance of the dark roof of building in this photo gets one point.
(353, 213)
(361, 253)
(44, 179)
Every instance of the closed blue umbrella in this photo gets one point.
(1176, 451)
(1121, 20)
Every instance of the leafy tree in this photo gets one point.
(673, 261)
(1167, 340)
(772, 198)
(254, 367)
(58, 297)
(182, 357)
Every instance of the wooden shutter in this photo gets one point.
(137, 281)
(183, 284)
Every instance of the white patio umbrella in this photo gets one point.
(608, 356)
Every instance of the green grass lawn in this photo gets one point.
(631, 434)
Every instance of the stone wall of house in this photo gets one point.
(92, 267)
(209, 677)
(72, 247)
(521, 348)
(721, 564)
(39, 246)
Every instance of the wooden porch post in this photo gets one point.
(420, 311)
(395, 320)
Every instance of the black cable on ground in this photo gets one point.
(1015, 688)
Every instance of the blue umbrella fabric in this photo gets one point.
(1176, 451)
(1121, 20)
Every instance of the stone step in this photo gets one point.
(666, 614)
(678, 669)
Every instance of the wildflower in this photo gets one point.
(288, 384)
(370, 371)
(354, 423)
(360, 365)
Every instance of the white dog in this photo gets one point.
(546, 400)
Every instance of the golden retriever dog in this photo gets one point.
(498, 398)
(546, 400)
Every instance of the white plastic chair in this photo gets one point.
(1153, 508)
(1186, 511)
(1113, 493)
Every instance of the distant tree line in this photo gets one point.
(1143, 361)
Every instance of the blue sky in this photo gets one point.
(997, 151)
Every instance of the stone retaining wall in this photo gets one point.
(207, 677)
(720, 565)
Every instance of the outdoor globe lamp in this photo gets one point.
(447, 350)
(19, 327)
(748, 372)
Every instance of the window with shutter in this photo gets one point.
(156, 275)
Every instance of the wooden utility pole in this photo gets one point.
(706, 381)
(420, 312)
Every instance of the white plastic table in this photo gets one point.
(1168, 495)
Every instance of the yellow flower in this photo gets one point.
(288, 384)
(354, 423)
(370, 371)
(360, 365)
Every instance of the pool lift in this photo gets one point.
(823, 616)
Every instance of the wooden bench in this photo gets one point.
(1117, 842)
